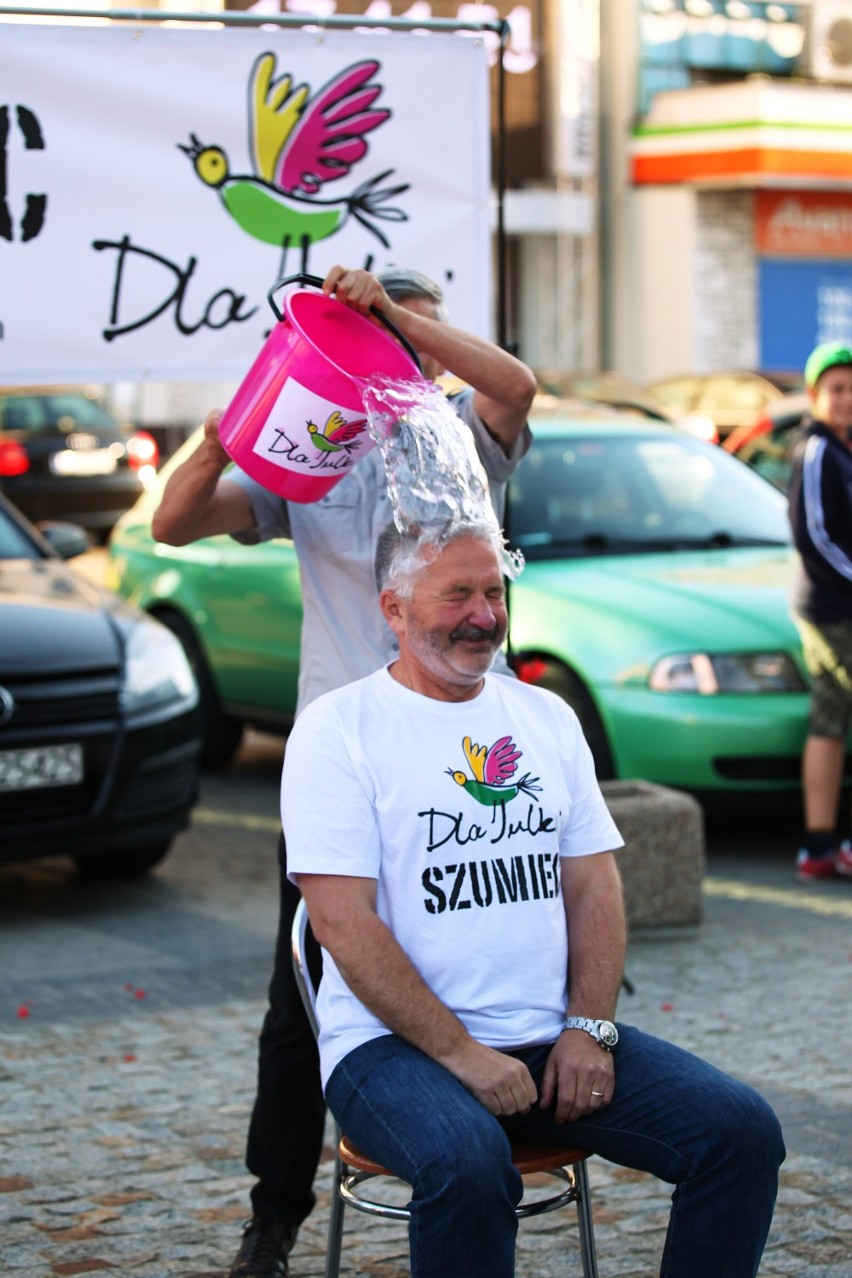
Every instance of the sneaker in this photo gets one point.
(810, 867)
(264, 1250)
(843, 859)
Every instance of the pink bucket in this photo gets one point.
(297, 424)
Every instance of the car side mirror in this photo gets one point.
(66, 540)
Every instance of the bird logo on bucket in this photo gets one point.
(338, 434)
(292, 439)
(299, 144)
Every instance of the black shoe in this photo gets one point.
(264, 1250)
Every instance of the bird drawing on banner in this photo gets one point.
(492, 768)
(338, 435)
(298, 145)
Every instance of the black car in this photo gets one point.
(99, 727)
(63, 455)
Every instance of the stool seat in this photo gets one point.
(527, 1158)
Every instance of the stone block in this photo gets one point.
(663, 858)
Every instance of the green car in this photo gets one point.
(654, 599)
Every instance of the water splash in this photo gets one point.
(436, 481)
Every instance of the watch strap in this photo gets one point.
(591, 1027)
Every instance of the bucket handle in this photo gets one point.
(374, 310)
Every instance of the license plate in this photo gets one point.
(97, 461)
(41, 767)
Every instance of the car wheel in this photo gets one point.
(221, 733)
(556, 677)
(122, 865)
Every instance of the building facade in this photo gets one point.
(731, 175)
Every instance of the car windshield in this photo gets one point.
(13, 542)
(52, 412)
(618, 494)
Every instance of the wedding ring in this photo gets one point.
(597, 1093)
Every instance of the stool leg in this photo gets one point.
(588, 1255)
(335, 1222)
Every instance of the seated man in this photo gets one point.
(447, 831)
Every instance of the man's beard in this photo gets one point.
(438, 651)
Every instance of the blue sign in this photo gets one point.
(800, 304)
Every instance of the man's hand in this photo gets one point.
(579, 1077)
(501, 1083)
(212, 443)
(356, 288)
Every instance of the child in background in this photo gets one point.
(821, 518)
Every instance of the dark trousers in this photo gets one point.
(286, 1129)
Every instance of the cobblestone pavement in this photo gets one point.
(123, 1118)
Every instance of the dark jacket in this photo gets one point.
(820, 511)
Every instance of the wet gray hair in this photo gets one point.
(400, 556)
(400, 283)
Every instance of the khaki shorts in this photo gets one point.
(828, 656)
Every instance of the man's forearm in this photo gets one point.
(187, 498)
(484, 366)
(598, 941)
(503, 386)
(194, 504)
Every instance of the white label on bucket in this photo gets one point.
(312, 435)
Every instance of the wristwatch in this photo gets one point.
(603, 1032)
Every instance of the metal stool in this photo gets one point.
(353, 1170)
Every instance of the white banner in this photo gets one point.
(155, 182)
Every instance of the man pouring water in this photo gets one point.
(344, 637)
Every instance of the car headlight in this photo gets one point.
(156, 669)
(731, 672)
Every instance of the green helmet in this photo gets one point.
(826, 355)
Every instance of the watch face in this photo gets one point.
(608, 1033)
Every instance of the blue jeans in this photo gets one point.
(672, 1115)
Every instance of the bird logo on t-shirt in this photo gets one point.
(492, 769)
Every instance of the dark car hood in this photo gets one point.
(52, 621)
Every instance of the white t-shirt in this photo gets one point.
(460, 811)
